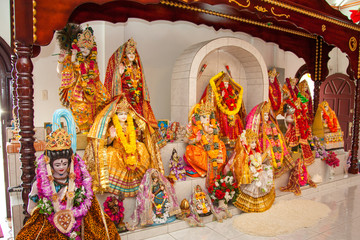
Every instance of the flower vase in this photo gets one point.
(331, 172)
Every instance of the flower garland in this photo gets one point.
(224, 108)
(130, 148)
(300, 121)
(212, 151)
(50, 203)
(134, 82)
(277, 154)
(275, 94)
(330, 120)
(116, 211)
(87, 74)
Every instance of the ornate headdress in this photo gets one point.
(273, 73)
(130, 46)
(250, 136)
(58, 140)
(123, 105)
(266, 107)
(205, 108)
(86, 39)
(302, 85)
(291, 80)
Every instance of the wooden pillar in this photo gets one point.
(25, 93)
(355, 134)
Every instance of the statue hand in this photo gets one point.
(62, 55)
(121, 68)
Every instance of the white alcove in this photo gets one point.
(245, 62)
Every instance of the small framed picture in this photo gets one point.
(163, 125)
(47, 128)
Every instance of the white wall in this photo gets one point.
(159, 44)
(5, 20)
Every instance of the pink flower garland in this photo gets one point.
(83, 178)
(116, 218)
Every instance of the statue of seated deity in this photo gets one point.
(261, 121)
(225, 96)
(156, 201)
(327, 128)
(61, 202)
(121, 149)
(206, 153)
(255, 179)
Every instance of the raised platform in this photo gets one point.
(185, 188)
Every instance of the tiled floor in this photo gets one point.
(343, 221)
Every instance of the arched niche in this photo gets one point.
(245, 62)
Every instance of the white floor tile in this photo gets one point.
(197, 233)
(162, 237)
(225, 228)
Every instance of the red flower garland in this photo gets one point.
(117, 216)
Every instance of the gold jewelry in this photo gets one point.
(266, 107)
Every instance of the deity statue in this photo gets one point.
(172, 132)
(156, 201)
(121, 149)
(290, 89)
(255, 178)
(262, 122)
(299, 176)
(81, 89)
(326, 126)
(206, 153)
(274, 91)
(298, 133)
(225, 95)
(177, 170)
(304, 92)
(61, 202)
(125, 74)
(200, 206)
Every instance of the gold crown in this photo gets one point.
(123, 105)
(302, 85)
(250, 136)
(324, 104)
(130, 46)
(266, 107)
(205, 108)
(273, 73)
(58, 140)
(86, 39)
(293, 81)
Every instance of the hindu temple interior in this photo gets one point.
(305, 151)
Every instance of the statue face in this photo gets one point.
(131, 56)
(85, 51)
(326, 107)
(205, 119)
(122, 116)
(253, 145)
(266, 116)
(60, 166)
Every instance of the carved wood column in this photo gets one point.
(355, 134)
(25, 94)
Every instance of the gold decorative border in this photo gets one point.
(279, 15)
(240, 5)
(261, 9)
(323, 28)
(34, 21)
(235, 18)
(352, 44)
(312, 14)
